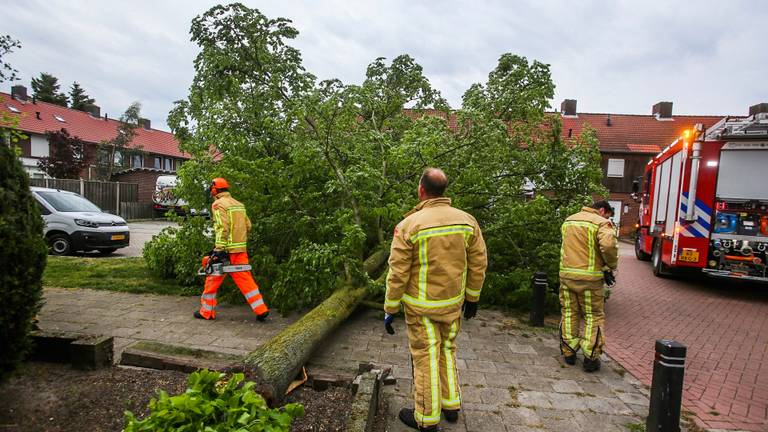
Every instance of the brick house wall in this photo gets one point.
(620, 188)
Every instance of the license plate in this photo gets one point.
(118, 237)
(689, 255)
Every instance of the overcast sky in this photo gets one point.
(708, 57)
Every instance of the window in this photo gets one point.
(158, 162)
(138, 161)
(13, 109)
(59, 118)
(168, 164)
(615, 168)
(43, 210)
(118, 158)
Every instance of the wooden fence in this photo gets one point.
(112, 197)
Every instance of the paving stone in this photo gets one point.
(520, 416)
(482, 421)
(567, 401)
(522, 349)
(534, 399)
(567, 386)
(633, 399)
(480, 365)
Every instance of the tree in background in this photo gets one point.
(69, 155)
(326, 169)
(23, 249)
(115, 153)
(78, 99)
(7, 45)
(46, 88)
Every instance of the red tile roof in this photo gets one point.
(85, 126)
(630, 133)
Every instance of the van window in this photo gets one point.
(68, 202)
(43, 210)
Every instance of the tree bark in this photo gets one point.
(277, 362)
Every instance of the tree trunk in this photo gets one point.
(277, 363)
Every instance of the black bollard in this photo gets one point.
(539, 299)
(666, 387)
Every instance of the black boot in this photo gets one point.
(198, 315)
(591, 365)
(452, 416)
(570, 359)
(406, 416)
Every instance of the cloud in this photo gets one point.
(706, 56)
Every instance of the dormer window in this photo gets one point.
(59, 118)
(13, 109)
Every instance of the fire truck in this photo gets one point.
(704, 201)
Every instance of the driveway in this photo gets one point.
(141, 232)
(723, 323)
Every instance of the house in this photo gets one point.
(154, 152)
(627, 143)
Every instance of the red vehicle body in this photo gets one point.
(704, 201)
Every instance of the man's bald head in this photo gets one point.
(433, 182)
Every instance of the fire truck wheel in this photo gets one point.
(659, 268)
(639, 252)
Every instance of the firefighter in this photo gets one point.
(231, 226)
(588, 257)
(436, 268)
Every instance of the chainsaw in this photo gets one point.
(209, 268)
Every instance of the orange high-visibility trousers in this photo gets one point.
(243, 280)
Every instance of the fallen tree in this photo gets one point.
(276, 363)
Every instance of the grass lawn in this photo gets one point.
(114, 274)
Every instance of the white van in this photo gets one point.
(72, 223)
(164, 198)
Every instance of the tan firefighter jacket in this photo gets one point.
(230, 223)
(437, 260)
(589, 246)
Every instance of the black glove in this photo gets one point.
(470, 309)
(219, 256)
(609, 278)
(388, 318)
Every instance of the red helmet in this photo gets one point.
(217, 185)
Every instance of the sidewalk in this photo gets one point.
(511, 375)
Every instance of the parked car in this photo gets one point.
(72, 223)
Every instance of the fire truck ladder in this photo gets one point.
(740, 127)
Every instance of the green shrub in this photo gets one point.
(23, 253)
(216, 405)
(175, 253)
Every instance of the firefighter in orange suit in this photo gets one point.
(436, 268)
(588, 257)
(231, 226)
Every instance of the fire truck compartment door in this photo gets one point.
(742, 174)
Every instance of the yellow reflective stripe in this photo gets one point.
(562, 245)
(473, 293)
(442, 231)
(591, 236)
(218, 228)
(236, 244)
(434, 377)
(581, 272)
(450, 370)
(568, 314)
(392, 303)
(589, 321)
(423, 268)
(583, 224)
(433, 304)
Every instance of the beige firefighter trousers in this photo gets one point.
(582, 300)
(435, 377)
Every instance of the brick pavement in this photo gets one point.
(723, 324)
(511, 377)
(168, 319)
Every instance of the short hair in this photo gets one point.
(603, 205)
(434, 181)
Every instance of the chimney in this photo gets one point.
(608, 121)
(19, 92)
(145, 123)
(106, 116)
(37, 114)
(662, 110)
(93, 109)
(758, 108)
(568, 107)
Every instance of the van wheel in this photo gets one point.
(659, 268)
(60, 244)
(639, 252)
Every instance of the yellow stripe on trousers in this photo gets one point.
(454, 400)
(589, 322)
(434, 379)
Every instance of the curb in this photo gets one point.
(365, 403)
